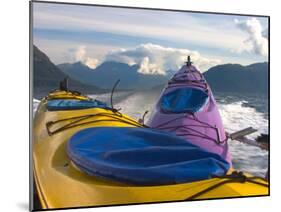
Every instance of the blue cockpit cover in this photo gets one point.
(73, 104)
(141, 156)
(184, 100)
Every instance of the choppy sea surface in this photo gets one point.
(238, 111)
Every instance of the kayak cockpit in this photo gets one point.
(184, 100)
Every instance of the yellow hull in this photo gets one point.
(60, 184)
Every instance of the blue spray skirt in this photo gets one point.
(141, 156)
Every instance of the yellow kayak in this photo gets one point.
(60, 184)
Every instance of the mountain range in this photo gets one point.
(106, 74)
(224, 78)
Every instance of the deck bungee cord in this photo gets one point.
(187, 129)
(234, 177)
(200, 83)
(118, 117)
(180, 84)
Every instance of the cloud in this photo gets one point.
(152, 59)
(204, 29)
(80, 54)
(257, 41)
(156, 59)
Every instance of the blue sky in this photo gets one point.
(156, 39)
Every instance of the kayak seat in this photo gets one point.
(141, 156)
(184, 100)
(73, 104)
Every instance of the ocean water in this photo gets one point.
(238, 111)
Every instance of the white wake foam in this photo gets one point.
(237, 117)
(36, 103)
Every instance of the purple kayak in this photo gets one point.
(187, 108)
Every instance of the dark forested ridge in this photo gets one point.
(46, 76)
(238, 78)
